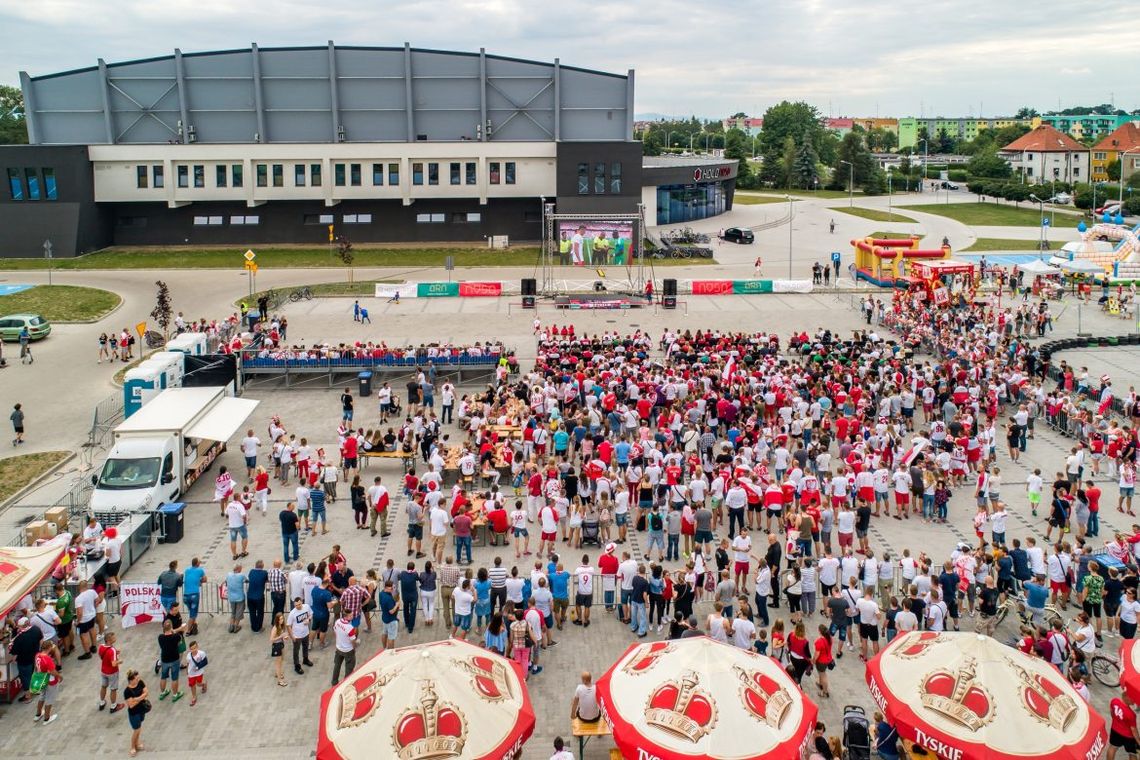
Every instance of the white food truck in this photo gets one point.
(162, 449)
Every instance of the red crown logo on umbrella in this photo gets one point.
(1045, 700)
(360, 699)
(682, 709)
(430, 731)
(488, 677)
(958, 697)
(646, 657)
(764, 697)
(916, 644)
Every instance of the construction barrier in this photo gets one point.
(712, 287)
(751, 287)
(437, 289)
(389, 290)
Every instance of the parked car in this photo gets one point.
(1062, 198)
(11, 325)
(948, 186)
(1113, 208)
(741, 235)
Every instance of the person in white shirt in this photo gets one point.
(742, 553)
(584, 706)
(249, 447)
(519, 529)
(346, 641)
(298, 622)
(584, 591)
(237, 518)
(869, 618)
(743, 631)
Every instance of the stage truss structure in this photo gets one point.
(628, 280)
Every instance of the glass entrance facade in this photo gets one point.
(684, 203)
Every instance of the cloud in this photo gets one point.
(847, 57)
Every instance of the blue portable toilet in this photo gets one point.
(140, 385)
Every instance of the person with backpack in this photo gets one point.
(656, 525)
(1061, 649)
(196, 662)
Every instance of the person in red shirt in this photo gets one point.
(497, 519)
(672, 475)
(261, 489)
(1092, 493)
(608, 567)
(109, 663)
(824, 659)
(1123, 732)
(349, 453)
(534, 500)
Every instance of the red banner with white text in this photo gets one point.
(478, 289)
(712, 287)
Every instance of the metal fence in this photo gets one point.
(108, 414)
(76, 501)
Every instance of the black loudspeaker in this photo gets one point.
(528, 302)
(669, 293)
(529, 286)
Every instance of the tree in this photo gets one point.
(989, 164)
(651, 145)
(163, 312)
(888, 139)
(739, 115)
(737, 147)
(13, 126)
(853, 151)
(788, 161)
(876, 182)
(806, 169)
(1025, 112)
(1113, 169)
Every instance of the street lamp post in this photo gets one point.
(754, 145)
(922, 179)
(850, 182)
(690, 142)
(706, 143)
(791, 215)
(890, 209)
(1041, 222)
(668, 142)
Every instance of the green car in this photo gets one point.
(11, 325)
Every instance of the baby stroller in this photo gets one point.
(856, 734)
(591, 533)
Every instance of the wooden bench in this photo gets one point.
(408, 458)
(586, 731)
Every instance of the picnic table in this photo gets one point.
(585, 731)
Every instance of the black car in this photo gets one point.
(737, 235)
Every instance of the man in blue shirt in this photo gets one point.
(560, 589)
(255, 595)
(561, 441)
(192, 581)
(948, 580)
(388, 616)
(235, 595)
(1020, 557)
(1036, 595)
(621, 453)
(322, 598)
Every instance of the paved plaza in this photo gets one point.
(245, 713)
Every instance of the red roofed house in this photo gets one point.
(1122, 144)
(1046, 154)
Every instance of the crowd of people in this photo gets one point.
(728, 483)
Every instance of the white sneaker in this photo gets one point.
(36, 719)
(51, 719)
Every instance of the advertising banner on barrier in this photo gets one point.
(437, 289)
(480, 289)
(791, 286)
(390, 290)
(140, 603)
(751, 287)
(712, 287)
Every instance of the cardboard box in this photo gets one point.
(35, 530)
(57, 515)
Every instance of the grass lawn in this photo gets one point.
(755, 200)
(20, 470)
(61, 303)
(1002, 244)
(874, 215)
(984, 213)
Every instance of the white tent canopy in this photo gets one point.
(1037, 266)
(1082, 266)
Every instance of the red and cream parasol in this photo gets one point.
(1130, 669)
(964, 696)
(447, 699)
(22, 568)
(699, 699)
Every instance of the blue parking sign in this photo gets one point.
(835, 256)
(1044, 221)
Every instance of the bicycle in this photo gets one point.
(272, 299)
(1105, 668)
(1017, 603)
(301, 294)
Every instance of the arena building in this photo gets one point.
(385, 144)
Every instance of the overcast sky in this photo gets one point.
(847, 57)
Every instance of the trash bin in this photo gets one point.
(253, 317)
(172, 525)
(365, 384)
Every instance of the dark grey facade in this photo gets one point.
(587, 173)
(305, 222)
(327, 94)
(48, 194)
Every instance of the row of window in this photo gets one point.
(461, 217)
(32, 185)
(217, 221)
(325, 219)
(309, 175)
(599, 183)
